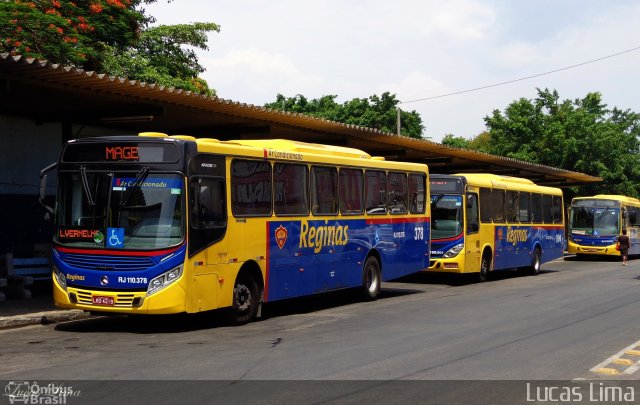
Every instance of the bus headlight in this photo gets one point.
(164, 280)
(453, 252)
(60, 278)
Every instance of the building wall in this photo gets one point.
(26, 149)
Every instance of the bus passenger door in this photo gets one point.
(472, 245)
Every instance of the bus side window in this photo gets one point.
(536, 208)
(290, 189)
(524, 211)
(547, 206)
(351, 191)
(417, 193)
(512, 206)
(207, 203)
(557, 210)
(324, 190)
(634, 218)
(375, 186)
(498, 200)
(486, 213)
(473, 224)
(397, 193)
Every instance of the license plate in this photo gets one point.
(102, 300)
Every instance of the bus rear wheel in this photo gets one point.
(246, 299)
(536, 262)
(371, 279)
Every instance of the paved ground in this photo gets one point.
(39, 309)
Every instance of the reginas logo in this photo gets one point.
(517, 235)
(317, 237)
(281, 236)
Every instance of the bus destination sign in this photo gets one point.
(138, 152)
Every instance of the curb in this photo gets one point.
(42, 318)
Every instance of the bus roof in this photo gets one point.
(506, 182)
(613, 197)
(283, 149)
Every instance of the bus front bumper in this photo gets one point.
(448, 265)
(170, 300)
(573, 248)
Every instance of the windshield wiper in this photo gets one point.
(142, 174)
(85, 186)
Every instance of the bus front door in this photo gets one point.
(472, 243)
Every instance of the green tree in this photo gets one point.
(481, 143)
(69, 32)
(164, 55)
(379, 112)
(581, 135)
(456, 141)
(110, 36)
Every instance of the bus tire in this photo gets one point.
(246, 300)
(536, 262)
(371, 279)
(485, 266)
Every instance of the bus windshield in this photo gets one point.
(446, 216)
(595, 221)
(120, 210)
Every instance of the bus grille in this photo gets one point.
(95, 262)
(122, 300)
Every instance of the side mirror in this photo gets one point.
(43, 190)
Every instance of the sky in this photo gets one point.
(419, 50)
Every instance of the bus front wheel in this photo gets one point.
(371, 279)
(246, 299)
(485, 265)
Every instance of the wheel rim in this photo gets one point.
(372, 280)
(536, 262)
(242, 295)
(484, 269)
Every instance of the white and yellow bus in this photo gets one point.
(596, 221)
(157, 224)
(486, 222)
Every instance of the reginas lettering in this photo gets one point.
(517, 235)
(317, 237)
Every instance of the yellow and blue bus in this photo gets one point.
(156, 224)
(485, 222)
(596, 221)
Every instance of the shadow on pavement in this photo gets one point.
(149, 324)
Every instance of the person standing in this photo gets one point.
(623, 241)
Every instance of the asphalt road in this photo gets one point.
(575, 322)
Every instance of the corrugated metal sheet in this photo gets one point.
(45, 74)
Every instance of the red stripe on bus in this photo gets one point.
(376, 221)
(447, 239)
(117, 252)
(265, 293)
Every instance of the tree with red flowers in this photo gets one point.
(110, 36)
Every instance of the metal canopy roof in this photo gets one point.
(47, 92)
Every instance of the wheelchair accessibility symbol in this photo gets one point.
(115, 237)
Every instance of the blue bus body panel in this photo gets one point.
(117, 270)
(310, 256)
(514, 245)
(596, 241)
